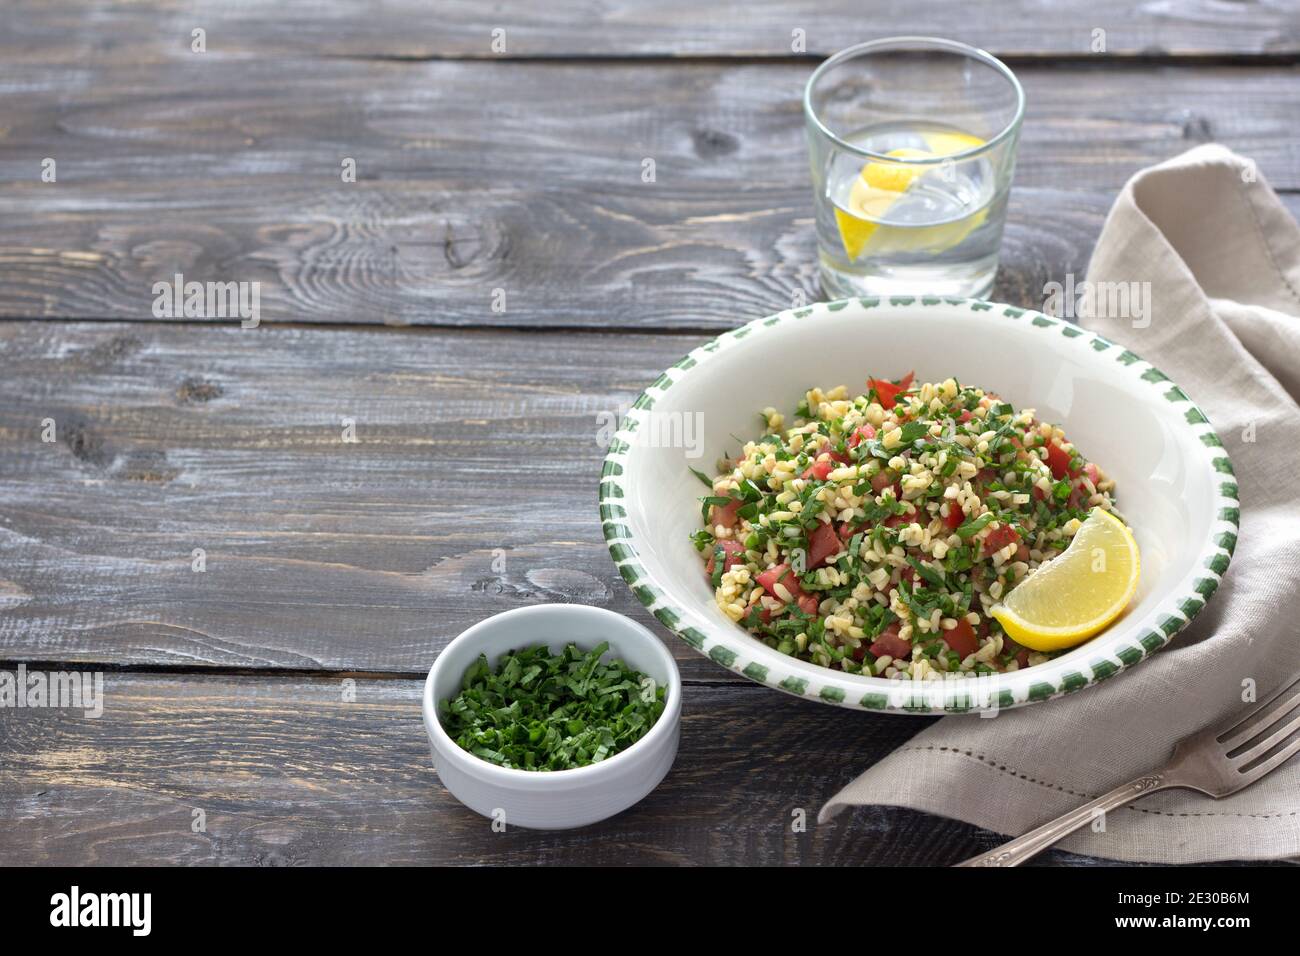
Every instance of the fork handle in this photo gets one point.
(1020, 849)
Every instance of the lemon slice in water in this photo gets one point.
(1077, 593)
(877, 187)
(880, 185)
(946, 144)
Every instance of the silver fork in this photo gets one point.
(1216, 761)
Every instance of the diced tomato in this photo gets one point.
(725, 515)
(962, 638)
(890, 643)
(893, 521)
(955, 516)
(1093, 473)
(1011, 647)
(1039, 494)
(781, 573)
(769, 578)
(965, 415)
(999, 538)
(1058, 459)
(847, 530)
(888, 392)
(907, 574)
(820, 469)
(822, 543)
(734, 551)
(842, 458)
(860, 434)
(1022, 552)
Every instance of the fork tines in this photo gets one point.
(1267, 736)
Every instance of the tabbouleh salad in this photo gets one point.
(874, 534)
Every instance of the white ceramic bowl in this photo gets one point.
(560, 799)
(1174, 482)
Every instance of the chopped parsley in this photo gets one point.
(544, 711)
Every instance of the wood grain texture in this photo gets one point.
(478, 177)
(286, 773)
(470, 489)
(156, 30)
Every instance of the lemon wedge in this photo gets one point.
(891, 177)
(879, 185)
(945, 144)
(1077, 593)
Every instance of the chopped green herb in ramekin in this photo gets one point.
(544, 711)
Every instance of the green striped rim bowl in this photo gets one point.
(1174, 481)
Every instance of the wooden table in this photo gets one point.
(338, 569)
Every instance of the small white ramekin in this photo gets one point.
(558, 799)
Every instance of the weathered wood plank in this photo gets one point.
(286, 773)
(470, 489)
(477, 177)
(157, 30)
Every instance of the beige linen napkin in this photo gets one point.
(1223, 259)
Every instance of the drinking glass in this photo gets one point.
(912, 144)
